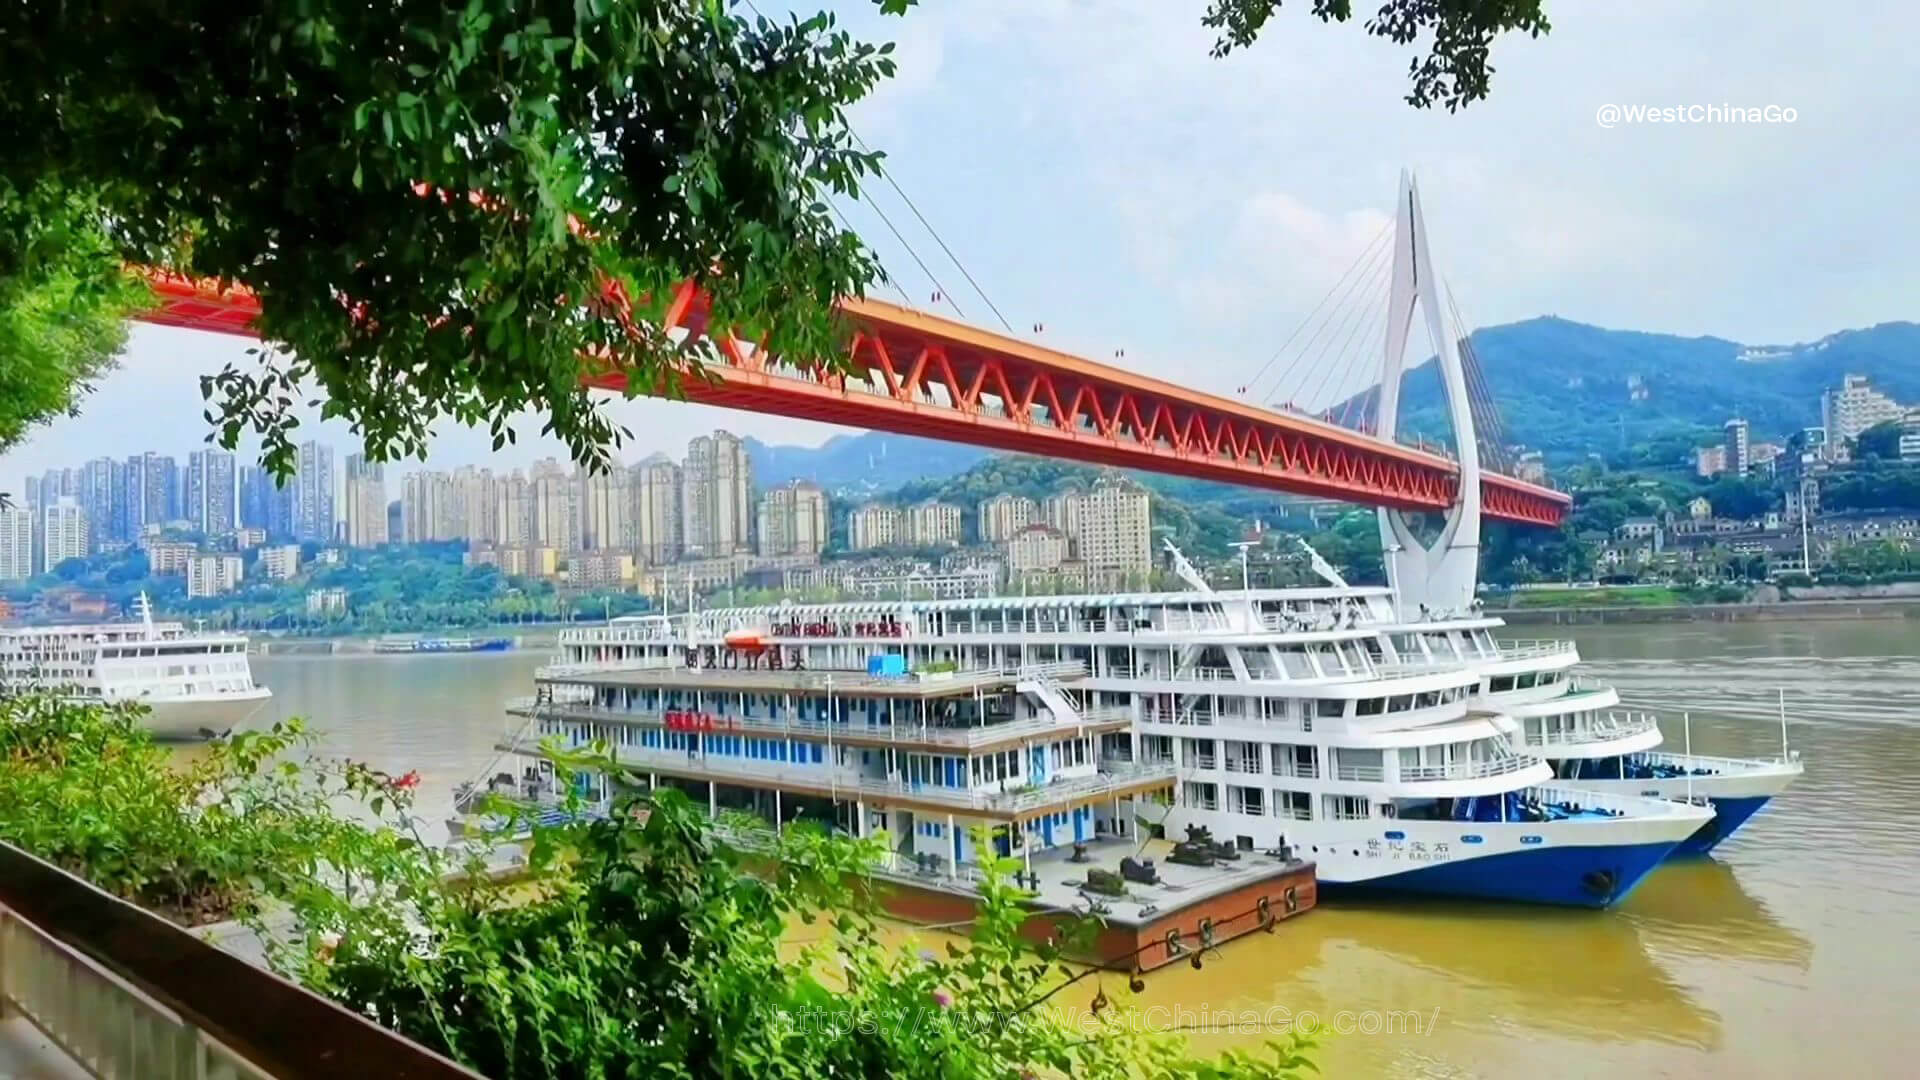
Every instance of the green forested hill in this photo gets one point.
(1571, 389)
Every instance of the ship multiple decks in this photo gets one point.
(193, 684)
(1420, 756)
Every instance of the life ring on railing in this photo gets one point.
(1292, 898)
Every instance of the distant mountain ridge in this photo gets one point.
(1569, 388)
(1564, 387)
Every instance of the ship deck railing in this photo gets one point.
(1726, 764)
(902, 733)
(1614, 725)
(810, 681)
(1533, 648)
(1117, 777)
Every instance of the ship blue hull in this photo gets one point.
(1592, 877)
(1728, 816)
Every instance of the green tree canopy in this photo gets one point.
(1881, 441)
(63, 303)
(435, 202)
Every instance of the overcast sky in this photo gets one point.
(1098, 173)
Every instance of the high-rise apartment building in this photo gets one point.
(16, 542)
(151, 498)
(365, 496)
(313, 493)
(431, 508)
(479, 494)
(211, 575)
(1116, 532)
(793, 520)
(63, 532)
(1062, 511)
(1738, 449)
(1003, 515)
(717, 492)
(280, 562)
(933, 523)
(875, 525)
(211, 496)
(654, 486)
(100, 479)
(606, 510)
(513, 511)
(1855, 407)
(553, 494)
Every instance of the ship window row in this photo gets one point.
(1524, 681)
(169, 650)
(1405, 702)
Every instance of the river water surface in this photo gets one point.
(1795, 951)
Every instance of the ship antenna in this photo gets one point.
(145, 609)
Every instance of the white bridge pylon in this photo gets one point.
(1439, 577)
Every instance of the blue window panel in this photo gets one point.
(1470, 838)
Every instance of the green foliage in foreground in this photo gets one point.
(199, 840)
(63, 305)
(651, 943)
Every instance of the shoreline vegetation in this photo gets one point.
(649, 941)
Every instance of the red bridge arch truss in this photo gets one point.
(913, 373)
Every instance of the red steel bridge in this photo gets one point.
(913, 373)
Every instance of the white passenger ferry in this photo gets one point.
(1275, 718)
(1578, 725)
(194, 684)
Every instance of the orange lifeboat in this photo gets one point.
(751, 640)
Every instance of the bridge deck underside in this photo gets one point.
(915, 374)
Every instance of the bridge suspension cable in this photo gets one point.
(1327, 349)
(1251, 389)
(940, 291)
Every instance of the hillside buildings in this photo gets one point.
(933, 524)
(1115, 533)
(212, 493)
(1854, 407)
(1738, 459)
(1004, 515)
(211, 575)
(365, 503)
(1036, 547)
(875, 525)
(793, 520)
(717, 493)
(16, 543)
(63, 533)
(280, 561)
(654, 487)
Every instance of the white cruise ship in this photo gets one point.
(1278, 718)
(1578, 725)
(196, 685)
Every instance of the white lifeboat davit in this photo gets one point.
(748, 639)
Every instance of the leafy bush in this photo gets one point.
(651, 942)
(197, 840)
